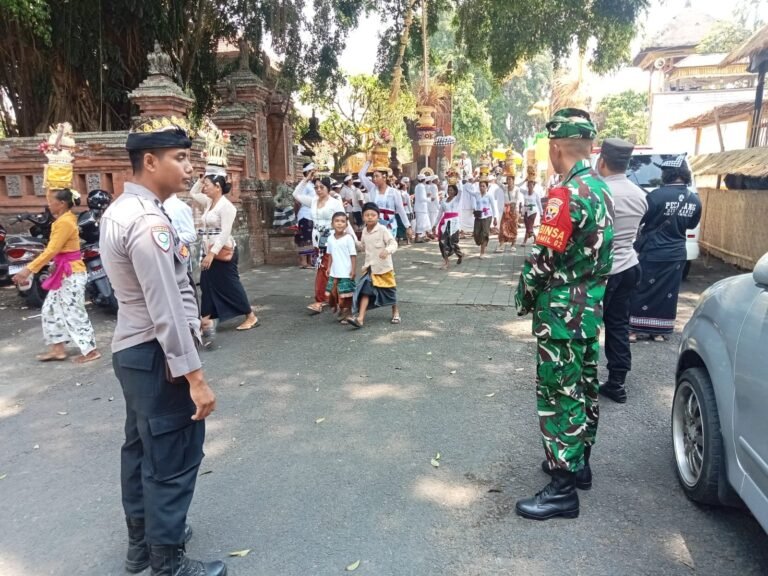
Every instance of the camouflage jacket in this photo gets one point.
(566, 290)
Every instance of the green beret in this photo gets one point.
(571, 123)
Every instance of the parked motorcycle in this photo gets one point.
(98, 288)
(21, 249)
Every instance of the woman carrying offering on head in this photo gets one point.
(63, 315)
(222, 294)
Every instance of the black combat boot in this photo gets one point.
(614, 387)
(583, 478)
(558, 498)
(173, 561)
(137, 558)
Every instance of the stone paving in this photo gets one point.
(488, 282)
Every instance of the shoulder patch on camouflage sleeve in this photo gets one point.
(162, 237)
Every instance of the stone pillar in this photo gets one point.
(159, 95)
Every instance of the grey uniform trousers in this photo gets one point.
(163, 446)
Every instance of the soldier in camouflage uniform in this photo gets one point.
(563, 283)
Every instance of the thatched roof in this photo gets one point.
(735, 112)
(748, 162)
(755, 44)
(685, 30)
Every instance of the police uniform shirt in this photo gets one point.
(147, 266)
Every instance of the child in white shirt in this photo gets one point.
(342, 265)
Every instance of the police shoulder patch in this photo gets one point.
(162, 237)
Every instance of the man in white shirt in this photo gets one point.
(630, 205)
(181, 217)
(433, 193)
(466, 219)
(351, 197)
(465, 166)
(421, 209)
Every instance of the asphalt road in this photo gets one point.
(309, 497)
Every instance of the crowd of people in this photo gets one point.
(605, 252)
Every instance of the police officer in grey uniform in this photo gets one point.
(155, 355)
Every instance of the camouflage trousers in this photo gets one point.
(566, 398)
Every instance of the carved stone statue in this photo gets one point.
(159, 62)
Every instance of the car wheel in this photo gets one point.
(696, 438)
(686, 269)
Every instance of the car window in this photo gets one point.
(644, 169)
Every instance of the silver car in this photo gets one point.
(720, 408)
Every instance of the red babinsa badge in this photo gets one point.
(556, 226)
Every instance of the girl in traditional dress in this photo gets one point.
(448, 227)
(64, 317)
(323, 206)
(486, 216)
(222, 295)
(507, 201)
(531, 209)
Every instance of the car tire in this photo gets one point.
(686, 269)
(696, 438)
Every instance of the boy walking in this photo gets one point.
(342, 265)
(377, 287)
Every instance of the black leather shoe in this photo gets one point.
(582, 478)
(173, 561)
(614, 387)
(137, 558)
(617, 394)
(558, 498)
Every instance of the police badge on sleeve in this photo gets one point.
(162, 237)
(556, 227)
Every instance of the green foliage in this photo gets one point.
(359, 112)
(471, 120)
(514, 100)
(723, 37)
(77, 60)
(624, 115)
(504, 34)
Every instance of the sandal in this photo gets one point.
(353, 321)
(315, 309)
(247, 325)
(90, 357)
(395, 320)
(51, 357)
(658, 338)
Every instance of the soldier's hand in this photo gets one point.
(202, 396)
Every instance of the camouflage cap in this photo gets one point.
(571, 123)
